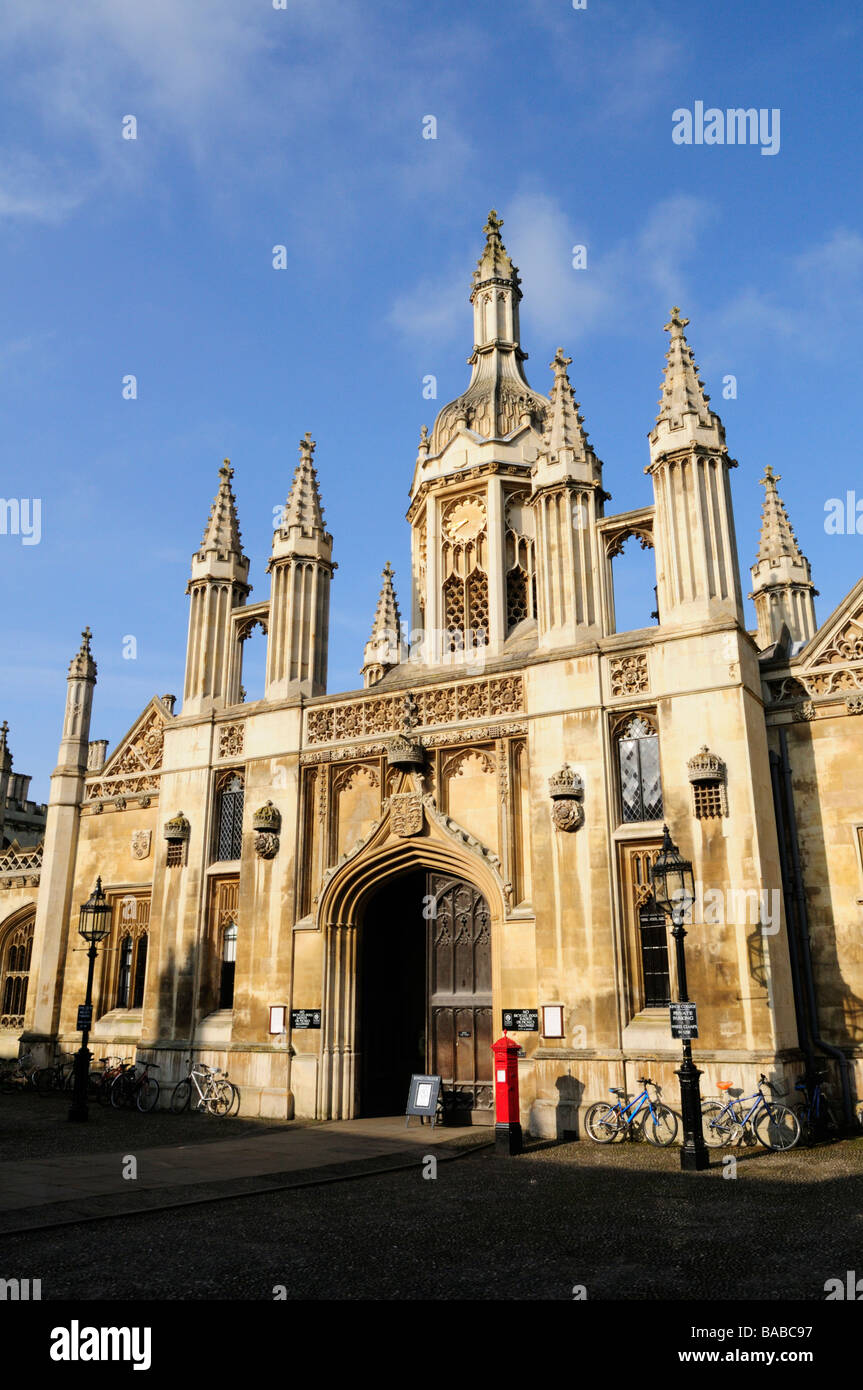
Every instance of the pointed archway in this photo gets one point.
(412, 838)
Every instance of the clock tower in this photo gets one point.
(473, 529)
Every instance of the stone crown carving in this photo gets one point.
(267, 818)
(405, 752)
(177, 828)
(705, 766)
(566, 784)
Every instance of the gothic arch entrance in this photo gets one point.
(424, 995)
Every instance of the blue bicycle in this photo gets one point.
(639, 1118)
(774, 1126)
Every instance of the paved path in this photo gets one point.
(83, 1187)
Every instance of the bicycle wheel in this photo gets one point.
(603, 1122)
(46, 1081)
(121, 1091)
(180, 1097)
(148, 1094)
(220, 1097)
(660, 1128)
(717, 1125)
(804, 1121)
(777, 1128)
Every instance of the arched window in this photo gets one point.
(131, 917)
(229, 960)
(638, 760)
(229, 816)
(16, 948)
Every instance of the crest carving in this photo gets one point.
(141, 843)
(406, 814)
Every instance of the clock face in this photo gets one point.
(465, 519)
(519, 517)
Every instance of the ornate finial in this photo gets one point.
(424, 437)
(387, 572)
(410, 713)
(493, 225)
(676, 324)
(769, 477)
(560, 362)
(4, 729)
(85, 642)
(307, 447)
(226, 471)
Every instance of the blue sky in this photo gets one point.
(303, 127)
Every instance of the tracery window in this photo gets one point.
(131, 940)
(516, 597)
(16, 949)
(230, 792)
(638, 761)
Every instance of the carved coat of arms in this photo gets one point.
(141, 843)
(406, 814)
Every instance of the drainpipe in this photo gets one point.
(802, 918)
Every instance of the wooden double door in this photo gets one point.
(425, 996)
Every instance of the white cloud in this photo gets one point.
(633, 279)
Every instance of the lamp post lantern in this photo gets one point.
(94, 925)
(673, 887)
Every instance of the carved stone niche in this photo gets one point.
(266, 823)
(566, 789)
(707, 777)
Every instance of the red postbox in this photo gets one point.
(507, 1128)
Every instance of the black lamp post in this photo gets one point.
(94, 925)
(674, 892)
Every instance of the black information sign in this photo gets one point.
(85, 1017)
(521, 1020)
(423, 1097)
(684, 1020)
(305, 1018)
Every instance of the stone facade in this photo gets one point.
(510, 762)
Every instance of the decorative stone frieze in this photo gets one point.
(629, 674)
(231, 740)
(439, 705)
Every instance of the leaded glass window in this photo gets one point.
(640, 782)
(229, 817)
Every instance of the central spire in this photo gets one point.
(494, 263)
(498, 400)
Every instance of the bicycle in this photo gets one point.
(21, 1075)
(101, 1082)
(605, 1122)
(216, 1097)
(774, 1126)
(59, 1076)
(816, 1114)
(132, 1087)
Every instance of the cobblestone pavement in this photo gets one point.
(624, 1222)
(35, 1127)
